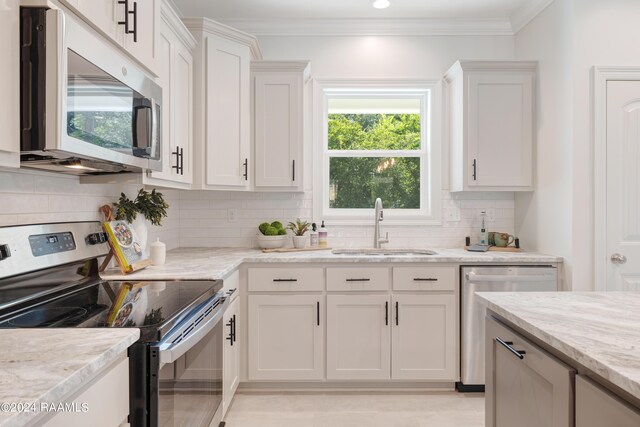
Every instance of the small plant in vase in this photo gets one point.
(299, 228)
(151, 205)
(271, 235)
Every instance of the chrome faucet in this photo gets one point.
(377, 241)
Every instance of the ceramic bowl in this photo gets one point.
(270, 242)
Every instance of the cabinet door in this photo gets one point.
(286, 339)
(358, 337)
(424, 337)
(531, 389)
(182, 104)
(231, 355)
(10, 84)
(102, 14)
(500, 129)
(597, 407)
(228, 113)
(278, 129)
(146, 23)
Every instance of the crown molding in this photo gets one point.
(525, 13)
(371, 27)
(303, 67)
(232, 33)
(172, 17)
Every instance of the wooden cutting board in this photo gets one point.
(498, 249)
(284, 250)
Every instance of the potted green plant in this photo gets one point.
(299, 228)
(151, 206)
(271, 235)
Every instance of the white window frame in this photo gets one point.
(429, 92)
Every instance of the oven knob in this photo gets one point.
(96, 238)
(5, 252)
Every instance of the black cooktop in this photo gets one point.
(88, 302)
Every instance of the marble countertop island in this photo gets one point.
(219, 263)
(47, 365)
(600, 331)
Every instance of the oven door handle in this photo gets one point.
(170, 352)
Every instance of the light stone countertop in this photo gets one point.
(600, 331)
(48, 365)
(219, 263)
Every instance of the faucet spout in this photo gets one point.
(379, 216)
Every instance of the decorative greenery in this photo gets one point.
(150, 204)
(154, 317)
(299, 227)
(357, 182)
(273, 229)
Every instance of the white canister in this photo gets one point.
(158, 252)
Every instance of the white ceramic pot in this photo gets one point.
(300, 242)
(141, 227)
(270, 242)
(158, 252)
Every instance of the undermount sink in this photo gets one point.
(384, 252)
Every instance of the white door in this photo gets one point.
(228, 113)
(424, 337)
(104, 14)
(623, 185)
(358, 337)
(146, 24)
(500, 129)
(231, 354)
(286, 339)
(182, 146)
(10, 84)
(278, 129)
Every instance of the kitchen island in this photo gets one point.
(575, 351)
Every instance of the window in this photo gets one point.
(376, 142)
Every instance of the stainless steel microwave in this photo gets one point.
(85, 108)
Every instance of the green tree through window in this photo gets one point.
(356, 181)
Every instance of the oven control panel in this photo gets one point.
(47, 244)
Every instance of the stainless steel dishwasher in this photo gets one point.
(472, 313)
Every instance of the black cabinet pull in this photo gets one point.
(318, 313)
(507, 344)
(230, 325)
(128, 12)
(285, 280)
(179, 153)
(397, 313)
(246, 169)
(293, 167)
(358, 280)
(475, 169)
(234, 330)
(386, 313)
(425, 279)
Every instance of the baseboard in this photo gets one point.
(342, 387)
(470, 388)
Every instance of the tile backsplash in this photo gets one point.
(29, 197)
(204, 219)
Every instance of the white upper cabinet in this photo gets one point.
(222, 104)
(10, 84)
(133, 24)
(175, 45)
(278, 123)
(491, 125)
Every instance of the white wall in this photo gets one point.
(29, 197)
(544, 218)
(203, 215)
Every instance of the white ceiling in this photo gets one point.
(349, 9)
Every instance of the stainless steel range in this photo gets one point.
(49, 279)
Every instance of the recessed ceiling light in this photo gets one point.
(381, 4)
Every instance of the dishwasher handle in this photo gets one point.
(474, 277)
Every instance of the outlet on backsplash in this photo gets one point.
(232, 215)
(452, 214)
(491, 214)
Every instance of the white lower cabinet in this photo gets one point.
(358, 337)
(231, 355)
(525, 386)
(286, 337)
(424, 337)
(597, 407)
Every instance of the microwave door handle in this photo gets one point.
(169, 352)
(153, 144)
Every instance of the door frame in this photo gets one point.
(600, 76)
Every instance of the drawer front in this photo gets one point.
(358, 279)
(424, 278)
(596, 407)
(285, 279)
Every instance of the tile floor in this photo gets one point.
(427, 409)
